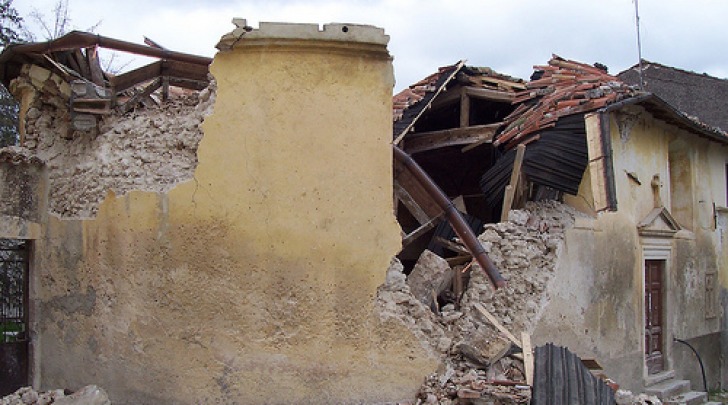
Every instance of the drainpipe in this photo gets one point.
(78, 39)
(700, 361)
(453, 215)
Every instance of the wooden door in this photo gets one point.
(654, 304)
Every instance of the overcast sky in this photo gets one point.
(509, 36)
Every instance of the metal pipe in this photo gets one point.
(78, 39)
(700, 361)
(453, 215)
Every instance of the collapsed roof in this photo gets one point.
(468, 127)
(94, 92)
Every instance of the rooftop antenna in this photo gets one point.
(639, 43)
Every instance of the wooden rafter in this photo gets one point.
(450, 137)
(134, 77)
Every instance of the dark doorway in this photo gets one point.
(14, 255)
(654, 307)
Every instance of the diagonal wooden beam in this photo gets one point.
(137, 98)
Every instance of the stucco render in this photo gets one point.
(254, 282)
(595, 304)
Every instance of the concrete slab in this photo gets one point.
(669, 388)
(688, 398)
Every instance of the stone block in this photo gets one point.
(431, 273)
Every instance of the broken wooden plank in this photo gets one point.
(512, 186)
(488, 94)
(478, 143)
(464, 109)
(421, 230)
(137, 98)
(82, 64)
(508, 196)
(188, 83)
(135, 77)
(405, 177)
(592, 364)
(409, 202)
(497, 324)
(182, 70)
(94, 64)
(527, 357)
(455, 247)
(425, 141)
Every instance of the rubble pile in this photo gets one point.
(88, 395)
(525, 249)
(150, 149)
(624, 397)
(478, 362)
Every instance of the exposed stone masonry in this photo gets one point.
(150, 149)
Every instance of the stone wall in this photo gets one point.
(149, 149)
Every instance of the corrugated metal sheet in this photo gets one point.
(560, 378)
(557, 160)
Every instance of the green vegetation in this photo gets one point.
(10, 331)
(10, 26)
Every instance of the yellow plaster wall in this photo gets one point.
(255, 282)
(596, 304)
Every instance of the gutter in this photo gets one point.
(654, 102)
(79, 39)
(453, 216)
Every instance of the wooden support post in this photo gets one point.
(464, 108)
(507, 202)
(497, 324)
(511, 188)
(527, 357)
(165, 88)
(94, 64)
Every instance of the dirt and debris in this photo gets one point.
(149, 149)
(478, 362)
(624, 397)
(88, 395)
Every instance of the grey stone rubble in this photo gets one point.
(525, 249)
(624, 397)
(88, 395)
(150, 149)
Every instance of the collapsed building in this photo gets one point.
(226, 238)
(641, 273)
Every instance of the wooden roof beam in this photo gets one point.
(134, 77)
(451, 96)
(450, 137)
(488, 94)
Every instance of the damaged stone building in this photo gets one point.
(222, 230)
